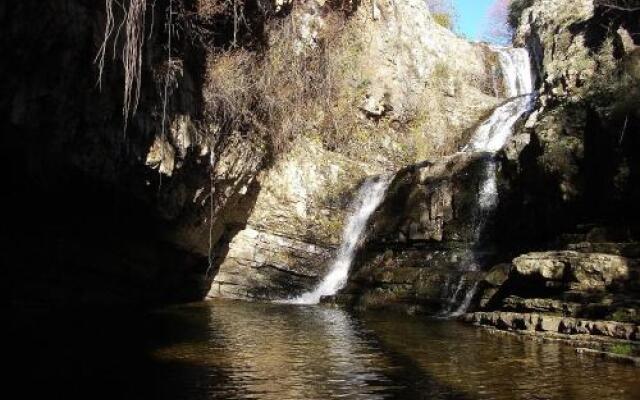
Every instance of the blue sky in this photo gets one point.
(472, 16)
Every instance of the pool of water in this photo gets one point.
(236, 350)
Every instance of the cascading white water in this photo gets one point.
(494, 133)
(490, 137)
(516, 69)
(367, 200)
(466, 302)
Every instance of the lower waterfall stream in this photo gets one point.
(367, 200)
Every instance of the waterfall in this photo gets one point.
(466, 302)
(493, 134)
(490, 137)
(516, 69)
(369, 197)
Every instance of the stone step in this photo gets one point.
(554, 324)
(544, 305)
(578, 271)
(615, 308)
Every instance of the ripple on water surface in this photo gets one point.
(233, 350)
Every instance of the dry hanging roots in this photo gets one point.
(134, 27)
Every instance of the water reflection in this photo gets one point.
(286, 352)
(269, 351)
(490, 366)
(234, 350)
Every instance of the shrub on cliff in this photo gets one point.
(289, 89)
(444, 19)
(443, 12)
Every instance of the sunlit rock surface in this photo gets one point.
(303, 198)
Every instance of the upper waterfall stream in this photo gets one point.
(493, 134)
(490, 137)
(369, 197)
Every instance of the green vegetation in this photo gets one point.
(622, 349)
(444, 19)
(443, 12)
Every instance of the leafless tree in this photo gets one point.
(498, 29)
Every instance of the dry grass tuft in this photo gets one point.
(278, 95)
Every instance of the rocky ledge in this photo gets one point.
(583, 298)
(534, 322)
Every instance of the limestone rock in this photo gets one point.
(587, 90)
(162, 156)
(431, 202)
(579, 271)
(263, 265)
(553, 324)
(498, 274)
(543, 305)
(408, 46)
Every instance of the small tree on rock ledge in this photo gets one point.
(443, 12)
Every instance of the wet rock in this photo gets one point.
(489, 287)
(498, 275)
(294, 225)
(431, 202)
(548, 323)
(573, 169)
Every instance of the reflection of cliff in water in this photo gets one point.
(234, 350)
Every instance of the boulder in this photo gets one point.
(577, 271)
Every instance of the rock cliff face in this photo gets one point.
(90, 222)
(569, 181)
(294, 225)
(195, 189)
(299, 213)
(428, 225)
(228, 182)
(580, 164)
